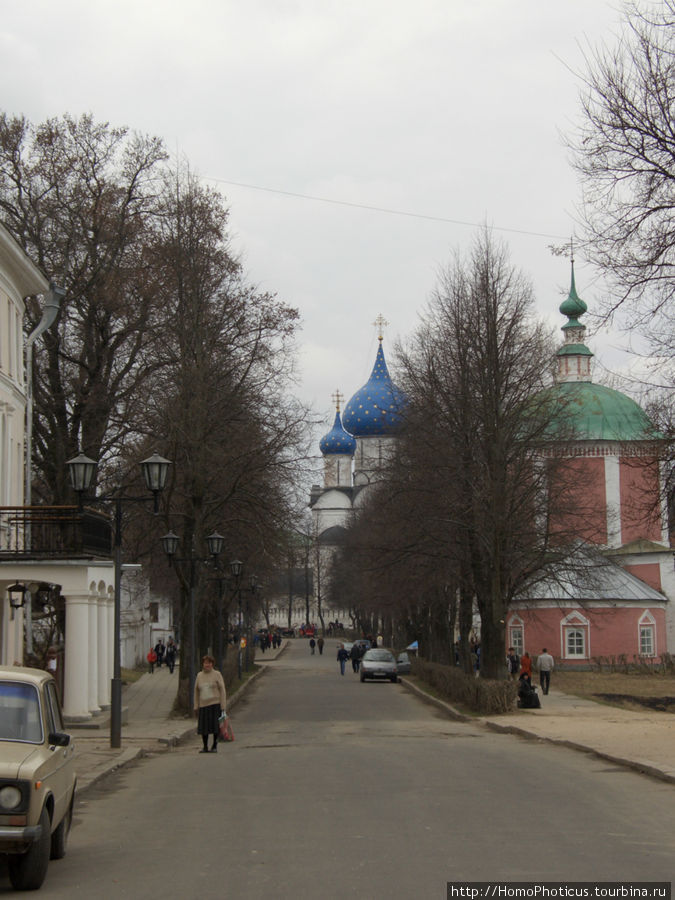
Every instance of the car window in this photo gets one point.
(379, 655)
(20, 718)
(55, 717)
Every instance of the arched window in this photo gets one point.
(575, 643)
(647, 634)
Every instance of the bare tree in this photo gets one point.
(77, 196)
(219, 404)
(624, 150)
(464, 515)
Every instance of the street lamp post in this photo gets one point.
(253, 585)
(236, 568)
(155, 470)
(215, 543)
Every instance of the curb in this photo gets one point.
(105, 769)
(644, 767)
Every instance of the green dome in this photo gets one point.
(592, 412)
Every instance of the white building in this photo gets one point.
(85, 579)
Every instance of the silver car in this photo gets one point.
(379, 663)
(403, 664)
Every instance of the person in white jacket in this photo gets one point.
(545, 666)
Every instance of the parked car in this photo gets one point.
(403, 664)
(363, 645)
(37, 775)
(379, 663)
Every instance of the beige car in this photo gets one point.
(37, 775)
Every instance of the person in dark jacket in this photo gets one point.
(527, 694)
(342, 657)
(355, 655)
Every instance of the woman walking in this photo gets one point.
(208, 702)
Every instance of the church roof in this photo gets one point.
(337, 441)
(593, 412)
(587, 576)
(376, 408)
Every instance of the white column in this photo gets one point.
(76, 687)
(110, 609)
(92, 675)
(613, 500)
(102, 650)
(4, 623)
(17, 626)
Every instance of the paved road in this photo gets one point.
(335, 788)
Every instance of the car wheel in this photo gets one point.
(27, 870)
(363, 677)
(60, 835)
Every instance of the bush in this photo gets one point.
(477, 694)
(639, 665)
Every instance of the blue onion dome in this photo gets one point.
(375, 409)
(337, 441)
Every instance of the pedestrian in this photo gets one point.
(170, 655)
(355, 654)
(545, 666)
(209, 702)
(152, 659)
(526, 665)
(342, 657)
(159, 650)
(527, 694)
(513, 663)
(319, 644)
(312, 645)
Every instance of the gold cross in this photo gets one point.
(337, 398)
(380, 323)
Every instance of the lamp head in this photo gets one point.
(215, 543)
(16, 593)
(81, 470)
(170, 543)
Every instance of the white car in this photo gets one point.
(37, 775)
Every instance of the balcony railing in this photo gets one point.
(54, 532)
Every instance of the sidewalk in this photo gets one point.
(148, 725)
(644, 741)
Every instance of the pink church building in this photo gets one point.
(614, 596)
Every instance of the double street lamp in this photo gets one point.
(155, 470)
(237, 569)
(215, 543)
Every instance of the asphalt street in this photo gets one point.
(337, 788)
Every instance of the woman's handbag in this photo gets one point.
(225, 727)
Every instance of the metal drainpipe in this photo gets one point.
(49, 314)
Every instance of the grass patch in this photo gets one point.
(619, 689)
(129, 676)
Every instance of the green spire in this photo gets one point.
(574, 306)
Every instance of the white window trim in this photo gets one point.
(575, 621)
(646, 620)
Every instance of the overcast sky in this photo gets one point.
(448, 111)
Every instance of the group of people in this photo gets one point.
(266, 640)
(520, 667)
(162, 652)
(313, 644)
(355, 654)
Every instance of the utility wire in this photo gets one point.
(382, 209)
